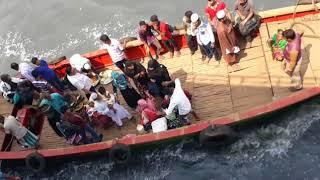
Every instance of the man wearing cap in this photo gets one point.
(212, 8)
(80, 63)
(227, 39)
(115, 50)
(205, 38)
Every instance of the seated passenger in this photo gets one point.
(84, 127)
(159, 75)
(115, 50)
(166, 35)
(55, 100)
(129, 94)
(80, 63)
(24, 69)
(46, 73)
(180, 100)
(148, 39)
(40, 84)
(147, 114)
(138, 73)
(8, 86)
(80, 81)
(116, 112)
(10, 125)
(97, 119)
(205, 38)
(278, 45)
(23, 96)
(107, 96)
(248, 22)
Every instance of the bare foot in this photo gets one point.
(178, 53)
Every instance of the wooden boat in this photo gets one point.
(219, 97)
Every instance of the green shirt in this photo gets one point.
(282, 43)
(56, 102)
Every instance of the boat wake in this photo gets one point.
(18, 46)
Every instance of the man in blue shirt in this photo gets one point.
(46, 73)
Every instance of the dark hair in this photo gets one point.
(34, 60)
(153, 63)
(69, 70)
(35, 73)
(188, 14)
(5, 77)
(104, 38)
(154, 18)
(289, 34)
(2, 119)
(101, 90)
(142, 23)
(15, 66)
(129, 63)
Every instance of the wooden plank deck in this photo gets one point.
(217, 93)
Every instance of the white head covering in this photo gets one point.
(93, 97)
(87, 66)
(221, 14)
(194, 17)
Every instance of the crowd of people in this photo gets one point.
(76, 106)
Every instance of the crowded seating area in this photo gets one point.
(78, 106)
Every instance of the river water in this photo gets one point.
(285, 149)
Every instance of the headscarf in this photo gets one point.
(93, 97)
(156, 72)
(142, 105)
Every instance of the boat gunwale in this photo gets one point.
(133, 139)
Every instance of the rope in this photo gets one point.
(12, 138)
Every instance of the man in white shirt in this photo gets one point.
(180, 101)
(115, 50)
(11, 125)
(205, 37)
(80, 81)
(79, 63)
(24, 69)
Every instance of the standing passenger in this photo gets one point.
(227, 39)
(115, 50)
(148, 39)
(190, 34)
(46, 73)
(293, 58)
(24, 69)
(129, 94)
(205, 38)
(212, 9)
(166, 35)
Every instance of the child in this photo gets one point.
(11, 125)
(205, 38)
(278, 44)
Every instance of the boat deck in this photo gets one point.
(218, 93)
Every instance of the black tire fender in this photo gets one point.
(36, 162)
(217, 136)
(120, 153)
